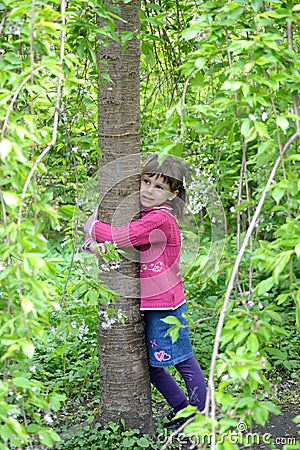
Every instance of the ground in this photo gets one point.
(281, 429)
(278, 431)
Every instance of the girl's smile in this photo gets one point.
(155, 191)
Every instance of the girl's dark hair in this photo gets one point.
(174, 172)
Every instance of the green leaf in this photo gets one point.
(27, 305)
(22, 382)
(33, 428)
(144, 442)
(5, 433)
(273, 314)
(56, 399)
(11, 199)
(282, 123)
(93, 297)
(231, 85)
(18, 428)
(252, 343)
(270, 406)
(245, 402)
(147, 51)
(261, 129)
(264, 286)
(5, 148)
(12, 59)
(246, 124)
(224, 399)
(48, 437)
(282, 298)
(186, 412)
(227, 445)
(260, 415)
(252, 134)
(278, 193)
(256, 4)
(192, 32)
(67, 211)
(281, 262)
(172, 320)
(28, 349)
(174, 333)
(106, 76)
(227, 336)
(240, 337)
(200, 63)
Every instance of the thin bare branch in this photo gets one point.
(204, 319)
(211, 388)
(14, 98)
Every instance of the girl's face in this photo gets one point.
(155, 191)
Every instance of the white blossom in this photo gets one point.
(48, 418)
(108, 321)
(83, 329)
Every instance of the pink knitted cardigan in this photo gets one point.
(157, 236)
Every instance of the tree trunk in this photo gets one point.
(124, 377)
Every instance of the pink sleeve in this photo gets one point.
(151, 228)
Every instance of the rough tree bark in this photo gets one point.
(124, 379)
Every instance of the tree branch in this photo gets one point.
(56, 111)
(15, 96)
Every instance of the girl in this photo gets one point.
(157, 236)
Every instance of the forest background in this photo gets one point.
(220, 88)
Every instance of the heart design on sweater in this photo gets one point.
(162, 356)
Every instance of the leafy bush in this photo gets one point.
(111, 437)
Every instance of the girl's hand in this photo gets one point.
(97, 247)
(91, 246)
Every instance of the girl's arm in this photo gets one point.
(151, 228)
